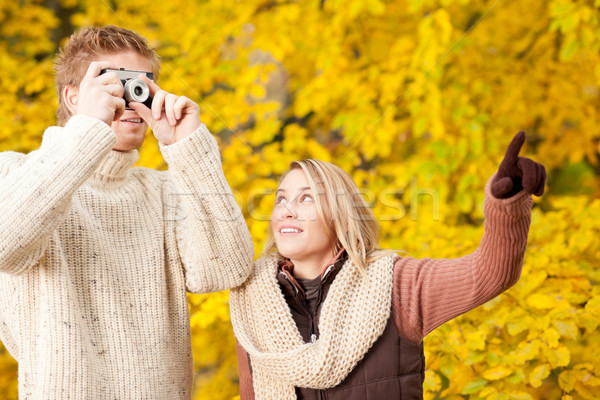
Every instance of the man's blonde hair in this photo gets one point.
(73, 60)
(347, 217)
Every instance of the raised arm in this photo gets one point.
(36, 190)
(428, 292)
(213, 241)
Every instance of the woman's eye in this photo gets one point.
(280, 200)
(306, 197)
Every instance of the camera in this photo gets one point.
(135, 88)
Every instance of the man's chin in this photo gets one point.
(128, 142)
(129, 137)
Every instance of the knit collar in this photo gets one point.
(331, 268)
(287, 265)
(354, 315)
(115, 166)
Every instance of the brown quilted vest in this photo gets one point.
(394, 368)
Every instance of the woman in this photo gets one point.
(328, 315)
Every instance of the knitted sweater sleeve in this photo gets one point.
(213, 240)
(36, 190)
(428, 292)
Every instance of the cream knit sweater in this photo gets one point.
(96, 257)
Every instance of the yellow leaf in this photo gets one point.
(476, 340)
(257, 91)
(558, 357)
(538, 374)
(518, 395)
(593, 306)
(567, 328)
(432, 381)
(551, 337)
(474, 386)
(566, 380)
(496, 373)
(541, 301)
(527, 351)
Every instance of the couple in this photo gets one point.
(96, 257)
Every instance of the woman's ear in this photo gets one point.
(71, 96)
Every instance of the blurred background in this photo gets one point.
(417, 100)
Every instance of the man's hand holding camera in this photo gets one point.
(171, 117)
(101, 96)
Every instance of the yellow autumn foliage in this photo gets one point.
(417, 100)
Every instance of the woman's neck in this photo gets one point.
(310, 269)
(307, 269)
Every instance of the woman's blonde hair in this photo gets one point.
(349, 221)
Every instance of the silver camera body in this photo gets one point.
(135, 88)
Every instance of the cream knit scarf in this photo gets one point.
(354, 315)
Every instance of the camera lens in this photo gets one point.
(136, 90)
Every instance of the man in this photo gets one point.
(96, 256)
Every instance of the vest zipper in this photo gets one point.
(327, 271)
(317, 307)
(313, 337)
(287, 278)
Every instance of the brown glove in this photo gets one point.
(518, 173)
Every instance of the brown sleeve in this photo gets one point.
(428, 292)
(246, 385)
